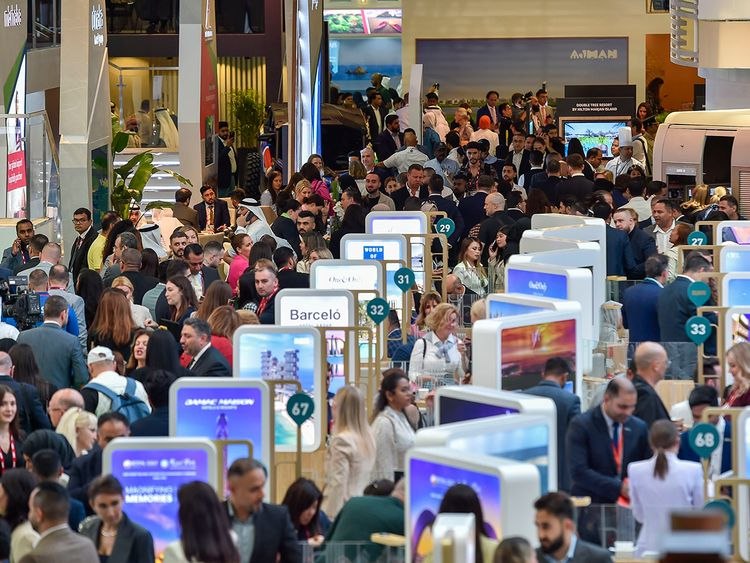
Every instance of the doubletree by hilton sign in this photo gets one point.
(97, 25)
(12, 16)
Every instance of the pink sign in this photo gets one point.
(16, 184)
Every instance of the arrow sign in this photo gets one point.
(699, 293)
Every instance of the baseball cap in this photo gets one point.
(100, 354)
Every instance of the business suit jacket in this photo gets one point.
(58, 355)
(211, 364)
(675, 309)
(578, 187)
(30, 264)
(141, 284)
(225, 178)
(593, 471)
(221, 214)
(285, 228)
(640, 311)
(585, 552)
(62, 545)
(568, 407)
(653, 499)
(687, 453)
(384, 144)
(185, 215)
(155, 424)
(133, 542)
(31, 415)
(650, 407)
(400, 196)
(642, 246)
(84, 470)
(525, 164)
(293, 279)
(274, 535)
(451, 209)
(79, 257)
(619, 254)
(372, 122)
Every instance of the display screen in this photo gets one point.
(459, 410)
(404, 226)
(498, 309)
(335, 343)
(150, 479)
(593, 134)
(428, 483)
(223, 413)
(376, 249)
(738, 321)
(539, 284)
(737, 294)
(530, 444)
(735, 261)
(525, 349)
(364, 22)
(740, 235)
(279, 355)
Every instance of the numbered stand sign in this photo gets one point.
(378, 310)
(445, 226)
(300, 407)
(699, 293)
(704, 439)
(697, 238)
(698, 329)
(404, 278)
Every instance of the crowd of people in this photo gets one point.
(126, 312)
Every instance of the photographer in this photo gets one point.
(18, 253)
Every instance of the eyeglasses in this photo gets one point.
(79, 221)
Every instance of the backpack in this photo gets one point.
(126, 403)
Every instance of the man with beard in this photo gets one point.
(227, 162)
(556, 531)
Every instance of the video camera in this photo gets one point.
(19, 303)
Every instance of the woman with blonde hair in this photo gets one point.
(351, 453)
(463, 125)
(429, 301)
(79, 429)
(302, 190)
(141, 315)
(738, 364)
(438, 357)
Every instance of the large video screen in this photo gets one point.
(459, 410)
(283, 355)
(428, 483)
(530, 444)
(735, 260)
(593, 134)
(151, 480)
(737, 293)
(525, 349)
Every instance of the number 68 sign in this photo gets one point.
(704, 439)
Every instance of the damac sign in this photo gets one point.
(97, 24)
(12, 16)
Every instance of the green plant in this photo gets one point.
(248, 113)
(130, 179)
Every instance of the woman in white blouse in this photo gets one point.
(351, 453)
(469, 269)
(393, 433)
(438, 357)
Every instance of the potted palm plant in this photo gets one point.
(247, 116)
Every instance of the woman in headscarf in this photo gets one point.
(430, 138)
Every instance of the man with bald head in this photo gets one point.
(61, 401)
(494, 207)
(130, 265)
(602, 442)
(374, 194)
(407, 156)
(651, 364)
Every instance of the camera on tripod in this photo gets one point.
(20, 304)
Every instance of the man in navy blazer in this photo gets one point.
(619, 256)
(640, 302)
(385, 143)
(556, 373)
(490, 109)
(601, 443)
(641, 244)
(209, 205)
(207, 361)
(702, 397)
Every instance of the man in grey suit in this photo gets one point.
(182, 210)
(57, 352)
(556, 373)
(49, 507)
(556, 531)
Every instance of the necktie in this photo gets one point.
(210, 215)
(493, 115)
(79, 242)
(615, 434)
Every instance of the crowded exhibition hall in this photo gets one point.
(392, 281)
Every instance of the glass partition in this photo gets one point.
(46, 18)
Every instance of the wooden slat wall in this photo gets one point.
(239, 73)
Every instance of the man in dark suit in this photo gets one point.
(88, 467)
(702, 397)
(285, 225)
(375, 115)
(266, 286)
(274, 535)
(214, 208)
(674, 309)
(413, 187)
(87, 234)
(556, 531)
(651, 364)
(619, 255)
(556, 373)
(17, 254)
(447, 206)
(494, 207)
(577, 185)
(640, 302)
(549, 183)
(593, 161)
(49, 507)
(207, 361)
(57, 352)
(157, 385)
(200, 276)
(182, 210)
(288, 275)
(390, 139)
(227, 160)
(641, 245)
(601, 443)
(490, 109)
(131, 269)
(519, 156)
(31, 415)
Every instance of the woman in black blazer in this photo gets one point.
(116, 537)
